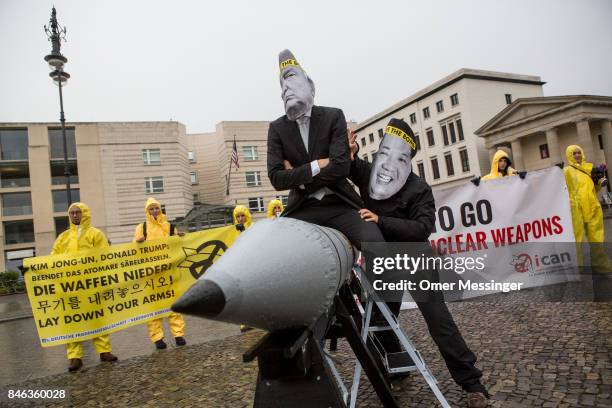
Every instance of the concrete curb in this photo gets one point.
(16, 316)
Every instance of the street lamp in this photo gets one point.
(60, 77)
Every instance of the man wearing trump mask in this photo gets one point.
(308, 154)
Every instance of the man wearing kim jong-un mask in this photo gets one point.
(402, 205)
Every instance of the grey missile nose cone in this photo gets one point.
(279, 274)
(204, 299)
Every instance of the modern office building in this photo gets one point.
(115, 167)
(210, 155)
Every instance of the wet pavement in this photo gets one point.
(23, 358)
(545, 354)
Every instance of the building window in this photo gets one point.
(544, 151)
(18, 232)
(14, 259)
(380, 134)
(61, 225)
(196, 197)
(191, 157)
(426, 112)
(440, 106)
(417, 139)
(57, 172)
(16, 204)
(56, 144)
(14, 175)
(363, 142)
(256, 204)
(421, 169)
(430, 137)
(60, 199)
(445, 135)
(412, 118)
(253, 178)
(465, 162)
(151, 157)
(284, 199)
(450, 169)
(454, 98)
(459, 129)
(194, 177)
(435, 169)
(14, 144)
(451, 128)
(250, 153)
(508, 99)
(371, 137)
(154, 185)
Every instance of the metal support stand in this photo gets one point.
(295, 370)
(392, 362)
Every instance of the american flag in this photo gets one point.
(235, 155)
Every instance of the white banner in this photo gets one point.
(521, 227)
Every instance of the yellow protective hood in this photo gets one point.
(271, 205)
(85, 218)
(584, 165)
(495, 174)
(495, 164)
(161, 218)
(241, 209)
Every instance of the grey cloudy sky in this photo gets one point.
(202, 62)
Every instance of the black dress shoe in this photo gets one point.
(160, 344)
(180, 341)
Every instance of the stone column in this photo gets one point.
(554, 150)
(584, 139)
(517, 155)
(606, 138)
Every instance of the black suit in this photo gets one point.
(327, 139)
(409, 216)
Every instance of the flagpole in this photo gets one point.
(229, 172)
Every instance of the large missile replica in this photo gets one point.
(279, 274)
(296, 281)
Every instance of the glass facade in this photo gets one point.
(18, 232)
(60, 199)
(16, 204)
(14, 144)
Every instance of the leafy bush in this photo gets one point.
(9, 283)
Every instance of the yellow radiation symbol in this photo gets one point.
(200, 259)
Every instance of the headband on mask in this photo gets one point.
(393, 131)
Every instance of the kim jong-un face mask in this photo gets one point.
(391, 167)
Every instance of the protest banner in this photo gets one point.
(75, 297)
(521, 228)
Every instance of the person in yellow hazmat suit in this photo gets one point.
(583, 182)
(242, 221)
(82, 236)
(156, 226)
(500, 167)
(275, 209)
(242, 218)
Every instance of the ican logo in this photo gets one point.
(526, 263)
